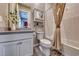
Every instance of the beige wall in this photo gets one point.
(70, 25)
(4, 14)
(40, 6)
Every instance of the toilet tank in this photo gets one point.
(40, 35)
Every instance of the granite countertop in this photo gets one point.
(16, 31)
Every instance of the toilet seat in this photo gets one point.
(45, 43)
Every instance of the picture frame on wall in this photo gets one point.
(38, 15)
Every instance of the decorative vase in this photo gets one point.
(13, 27)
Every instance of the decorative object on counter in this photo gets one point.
(12, 17)
(2, 24)
(9, 28)
(13, 26)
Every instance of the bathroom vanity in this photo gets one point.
(16, 43)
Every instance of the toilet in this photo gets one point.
(45, 44)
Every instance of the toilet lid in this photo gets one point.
(45, 41)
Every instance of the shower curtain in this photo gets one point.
(58, 14)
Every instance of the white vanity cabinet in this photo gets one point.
(26, 47)
(9, 49)
(18, 47)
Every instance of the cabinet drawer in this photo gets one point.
(15, 37)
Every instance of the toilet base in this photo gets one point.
(45, 50)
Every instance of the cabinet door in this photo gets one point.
(26, 48)
(1, 51)
(10, 49)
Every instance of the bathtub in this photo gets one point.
(70, 48)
